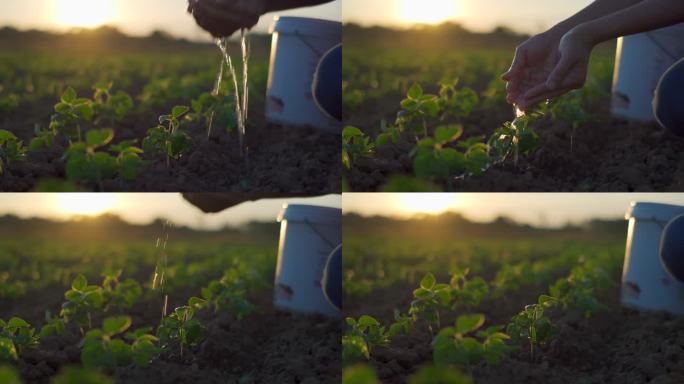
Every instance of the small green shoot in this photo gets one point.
(428, 299)
(354, 146)
(457, 345)
(101, 348)
(167, 138)
(362, 336)
(11, 149)
(16, 335)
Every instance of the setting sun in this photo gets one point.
(89, 204)
(426, 202)
(427, 11)
(84, 13)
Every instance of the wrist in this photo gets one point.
(586, 34)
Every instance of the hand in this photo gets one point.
(223, 17)
(215, 202)
(569, 71)
(533, 62)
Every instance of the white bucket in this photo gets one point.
(645, 282)
(308, 235)
(640, 62)
(298, 45)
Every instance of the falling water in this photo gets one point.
(241, 98)
(158, 281)
(518, 115)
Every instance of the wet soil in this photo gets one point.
(615, 345)
(269, 346)
(281, 159)
(607, 155)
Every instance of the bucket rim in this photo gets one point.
(653, 211)
(310, 213)
(306, 26)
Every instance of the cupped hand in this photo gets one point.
(222, 18)
(567, 72)
(533, 62)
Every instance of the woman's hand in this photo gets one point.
(533, 62)
(568, 72)
(223, 17)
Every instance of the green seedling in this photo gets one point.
(362, 336)
(44, 138)
(82, 301)
(118, 294)
(77, 375)
(228, 294)
(101, 348)
(180, 330)
(455, 102)
(402, 323)
(439, 375)
(72, 111)
(532, 325)
(16, 335)
(466, 292)
(128, 161)
(418, 109)
(464, 345)
(434, 159)
(354, 146)
(428, 299)
(11, 149)
(569, 108)
(513, 138)
(167, 139)
(110, 107)
(213, 110)
(54, 326)
(577, 291)
(85, 163)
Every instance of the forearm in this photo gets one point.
(644, 16)
(279, 5)
(593, 11)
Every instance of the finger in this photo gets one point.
(517, 65)
(559, 73)
(537, 90)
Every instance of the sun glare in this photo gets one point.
(87, 204)
(427, 11)
(84, 13)
(427, 202)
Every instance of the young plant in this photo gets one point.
(354, 146)
(82, 301)
(213, 110)
(466, 292)
(514, 138)
(433, 159)
(44, 138)
(180, 330)
(363, 335)
(110, 107)
(569, 108)
(16, 335)
(418, 109)
(128, 161)
(54, 326)
(72, 111)
(532, 325)
(167, 139)
(101, 348)
(455, 102)
(228, 294)
(11, 149)
(119, 294)
(460, 345)
(428, 299)
(439, 374)
(85, 163)
(402, 323)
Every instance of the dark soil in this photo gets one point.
(269, 346)
(616, 345)
(292, 160)
(606, 155)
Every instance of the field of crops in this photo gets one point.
(145, 119)
(435, 118)
(535, 309)
(90, 311)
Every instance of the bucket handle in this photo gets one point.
(319, 234)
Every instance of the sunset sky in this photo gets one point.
(145, 207)
(481, 15)
(549, 209)
(132, 16)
